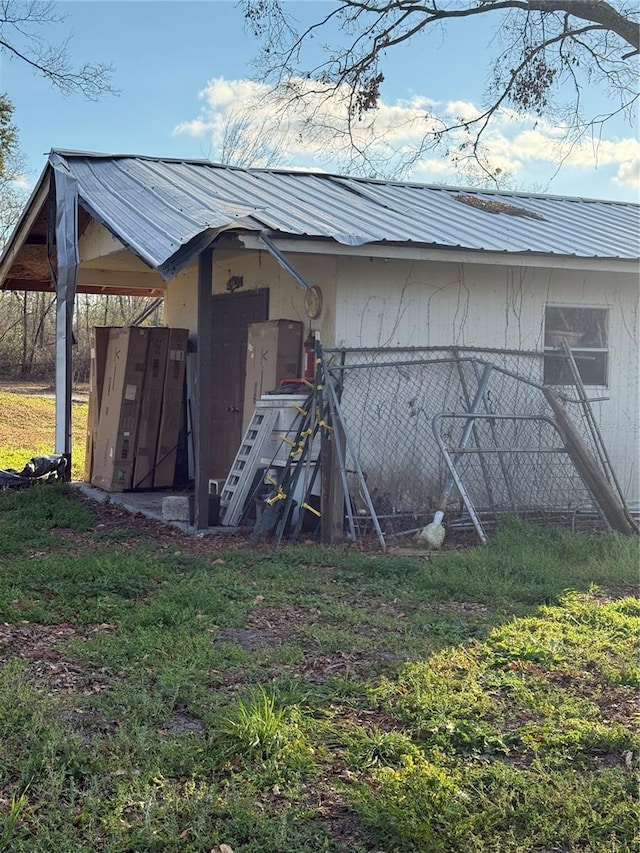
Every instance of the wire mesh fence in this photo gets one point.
(405, 410)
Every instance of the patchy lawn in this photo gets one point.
(166, 693)
(27, 426)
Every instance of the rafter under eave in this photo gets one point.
(36, 285)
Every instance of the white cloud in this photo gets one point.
(432, 167)
(244, 124)
(549, 144)
(629, 173)
(197, 127)
(462, 111)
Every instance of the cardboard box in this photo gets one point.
(150, 408)
(113, 461)
(99, 346)
(172, 416)
(274, 349)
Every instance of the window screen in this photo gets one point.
(586, 332)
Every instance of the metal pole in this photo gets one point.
(341, 457)
(356, 465)
(454, 478)
(466, 434)
(203, 389)
(284, 262)
(467, 401)
(503, 467)
(63, 223)
(598, 441)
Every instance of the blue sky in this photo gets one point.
(182, 70)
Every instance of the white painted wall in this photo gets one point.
(181, 301)
(406, 303)
(259, 269)
(96, 241)
(377, 302)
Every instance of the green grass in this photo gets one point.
(157, 699)
(27, 430)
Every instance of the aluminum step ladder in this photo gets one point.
(248, 460)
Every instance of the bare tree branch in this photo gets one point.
(24, 36)
(553, 49)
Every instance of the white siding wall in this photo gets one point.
(405, 303)
(376, 303)
(181, 301)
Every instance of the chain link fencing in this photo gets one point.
(405, 411)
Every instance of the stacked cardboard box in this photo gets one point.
(172, 414)
(150, 409)
(139, 406)
(99, 345)
(273, 354)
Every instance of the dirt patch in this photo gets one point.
(249, 639)
(133, 529)
(270, 626)
(110, 517)
(285, 620)
(333, 811)
(41, 647)
(611, 593)
(80, 392)
(347, 665)
(182, 723)
(619, 704)
(464, 608)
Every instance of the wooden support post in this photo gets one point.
(611, 507)
(332, 501)
(64, 338)
(203, 389)
(63, 223)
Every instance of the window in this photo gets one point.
(586, 332)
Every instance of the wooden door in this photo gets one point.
(232, 313)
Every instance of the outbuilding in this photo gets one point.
(368, 265)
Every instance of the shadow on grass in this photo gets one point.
(311, 699)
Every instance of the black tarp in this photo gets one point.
(39, 469)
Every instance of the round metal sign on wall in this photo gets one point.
(313, 302)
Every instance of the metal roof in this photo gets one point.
(166, 210)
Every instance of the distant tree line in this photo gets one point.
(28, 330)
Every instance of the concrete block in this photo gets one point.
(177, 508)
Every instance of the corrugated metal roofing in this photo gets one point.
(167, 210)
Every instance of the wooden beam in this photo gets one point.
(613, 510)
(32, 285)
(122, 291)
(332, 500)
(203, 383)
(27, 284)
(131, 279)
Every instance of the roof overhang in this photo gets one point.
(28, 233)
(414, 252)
(24, 265)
